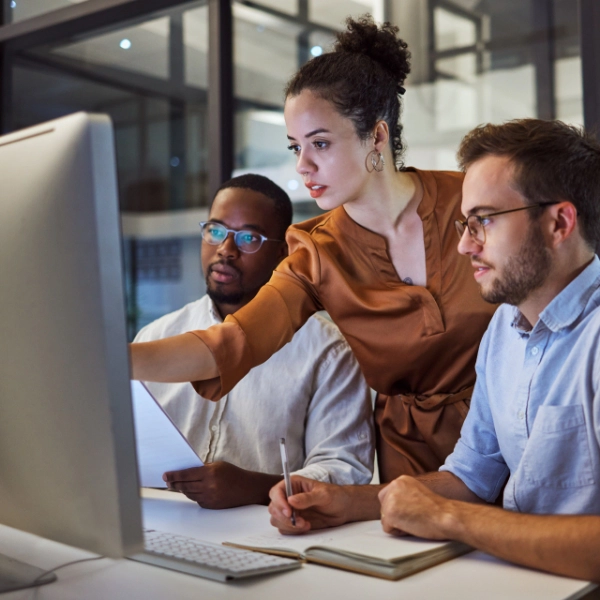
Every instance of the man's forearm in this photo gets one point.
(363, 501)
(448, 485)
(566, 545)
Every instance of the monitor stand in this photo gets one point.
(17, 575)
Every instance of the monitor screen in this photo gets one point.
(67, 449)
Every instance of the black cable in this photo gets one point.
(36, 581)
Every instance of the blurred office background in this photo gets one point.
(194, 89)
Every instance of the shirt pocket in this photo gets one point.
(557, 454)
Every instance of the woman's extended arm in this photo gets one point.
(179, 358)
(215, 359)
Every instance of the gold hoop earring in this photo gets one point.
(377, 161)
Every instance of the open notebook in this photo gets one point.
(360, 547)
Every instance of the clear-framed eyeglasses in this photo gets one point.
(476, 224)
(246, 241)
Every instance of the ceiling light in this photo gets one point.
(316, 50)
(125, 44)
(293, 184)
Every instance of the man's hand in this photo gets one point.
(409, 506)
(562, 544)
(222, 485)
(319, 505)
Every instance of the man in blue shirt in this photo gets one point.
(531, 200)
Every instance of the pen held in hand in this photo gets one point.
(286, 475)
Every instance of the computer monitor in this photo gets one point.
(67, 448)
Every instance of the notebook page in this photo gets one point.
(291, 543)
(367, 538)
(373, 541)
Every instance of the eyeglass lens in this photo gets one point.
(476, 229)
(246, 241)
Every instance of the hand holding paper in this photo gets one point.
(160, 445)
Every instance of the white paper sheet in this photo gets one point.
(160, 445)
(366, 537)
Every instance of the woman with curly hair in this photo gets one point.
(382, 262)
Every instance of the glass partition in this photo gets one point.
(473, 61)
(151, 78)
(19, 10)
(476, 62)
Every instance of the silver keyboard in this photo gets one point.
(204, 559)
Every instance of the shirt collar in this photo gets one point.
(520, 323)
(567, 306)
(213, 312)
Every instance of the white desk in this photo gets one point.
(476, 575)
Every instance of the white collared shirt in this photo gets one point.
(311, 392)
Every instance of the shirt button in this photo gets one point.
(535, 350)
(214, 428)
(521, 415)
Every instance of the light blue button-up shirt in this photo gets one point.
(535, 411)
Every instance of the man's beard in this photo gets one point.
(220, 297)
(523, 273)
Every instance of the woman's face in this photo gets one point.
(330, 155)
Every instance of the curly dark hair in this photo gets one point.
(362, 78)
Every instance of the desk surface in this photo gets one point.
(475, 575)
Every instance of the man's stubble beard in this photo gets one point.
(523, 273)
(242, 296)
(225, 298)
(220, 297)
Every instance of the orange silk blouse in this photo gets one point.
(412, 342)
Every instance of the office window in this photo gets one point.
(286, 6)
(334, 12)
(142, 49)
(266, 55)
(476, 62)
(151, 78)
(154, 88)
(18, 10)
(473, 61)
(195, 47)
(568, 83)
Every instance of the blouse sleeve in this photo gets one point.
(255, 332)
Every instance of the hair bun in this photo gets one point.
(380, 44)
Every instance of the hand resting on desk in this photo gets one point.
(222, 485)
(409, 506)
(433, 506)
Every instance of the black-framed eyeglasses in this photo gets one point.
(476, 224)
(246, 241)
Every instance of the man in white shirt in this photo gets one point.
(311, 392)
